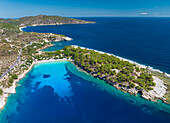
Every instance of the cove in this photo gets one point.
(68, 94)
(143, 40)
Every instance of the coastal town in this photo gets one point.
(20, 51)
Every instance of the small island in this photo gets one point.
(21, 50)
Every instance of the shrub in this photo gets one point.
(138, 87)
(11, 80)
(99, 73)
(137, 69)
(14, 76)
(1, 91)
(132, 85)
(124, 86)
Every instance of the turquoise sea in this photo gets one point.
(57, 92)
(143, 40)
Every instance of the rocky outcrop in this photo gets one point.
(158, 91)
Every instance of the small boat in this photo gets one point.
(60, 44)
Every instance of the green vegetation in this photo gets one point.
(110, 68)
(132, 85)
(12, 39)
(167, 82)
(103, 66)
(1, 91)
(43, 19)
(14, 76)
(9, 26)
(114, 71)
(11, 80)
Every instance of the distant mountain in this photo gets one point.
(43, 20)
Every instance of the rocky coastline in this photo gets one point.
(158, 91)
(152, 95)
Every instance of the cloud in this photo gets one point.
(144, 13)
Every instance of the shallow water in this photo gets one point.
(59, 92)
(144, 40)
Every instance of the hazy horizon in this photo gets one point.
(80, 8)
(87, 17)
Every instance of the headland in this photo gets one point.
(121, 73)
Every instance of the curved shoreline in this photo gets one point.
(20, 28)
(11, 90)
(159, 91)
(131, 61)
(65, 38)
(125, 59)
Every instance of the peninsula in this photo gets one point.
(17, 48)
(43, 20)
(19, 51)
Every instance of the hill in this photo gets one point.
(43, 20)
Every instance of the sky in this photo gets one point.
(85, 8)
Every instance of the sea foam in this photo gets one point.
(130, 61)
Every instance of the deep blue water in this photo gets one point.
(58, 92)
(144, 40)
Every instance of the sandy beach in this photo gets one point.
(22, 28)
(159, 90)
(11, 90)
